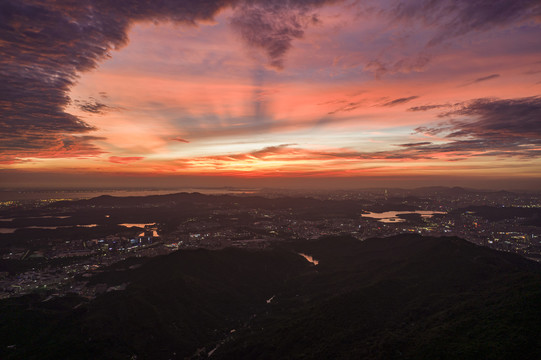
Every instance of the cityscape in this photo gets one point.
(504, 221)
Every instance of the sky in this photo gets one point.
(300, 93)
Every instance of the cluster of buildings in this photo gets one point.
(259, 228)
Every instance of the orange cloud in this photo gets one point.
(124, 159)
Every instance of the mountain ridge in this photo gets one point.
(400, 297)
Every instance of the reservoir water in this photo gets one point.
(309, 258)
(392, 216)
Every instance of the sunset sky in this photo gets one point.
(250, 93)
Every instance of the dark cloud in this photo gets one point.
(419, 27)
(272, 26)
(416, 144)
(427, 107)
(44, 46)
(455, 18)
(509, 127)
(93, 106)
(481, 79)
(485, 78)
(400, 101)
(47, 44)
(180, 140)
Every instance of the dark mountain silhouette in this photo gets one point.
(403, 297)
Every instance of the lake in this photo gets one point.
(392, 216)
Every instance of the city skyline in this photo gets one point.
(309, 93)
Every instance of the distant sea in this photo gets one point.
(38, 194)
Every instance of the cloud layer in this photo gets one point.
(482, 127)
(420, 28)
(272, 26)
(503, 127)
(297, 73)
(454, 18)
(46, 45)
